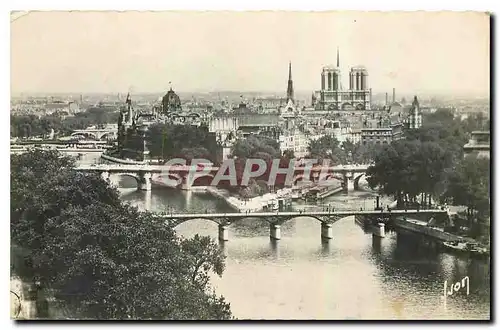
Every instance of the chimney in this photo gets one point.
(386, 98)
(394, 95)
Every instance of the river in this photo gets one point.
(354, 276)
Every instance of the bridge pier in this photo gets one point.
(144, 181)
(379, 230)
(223, 233)
(348, 182)
(186, 183)
(326, 230)
(275, 231)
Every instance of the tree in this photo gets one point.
(406, 169)
(98, 255)
(164, 141)
(327, 147)
(469, 185)
(250, 146)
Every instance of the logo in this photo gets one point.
(238, 173)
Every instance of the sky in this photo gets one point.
(117, 52)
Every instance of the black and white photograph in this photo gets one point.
(250, 165)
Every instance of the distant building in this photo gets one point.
(290, 109)
(332, 95)
(354, 135)
(381, 135)
(225, 129)
(479, 143)
(414, 120)
(296, 140)
(171, 102)
(266, 103)
(131, 141)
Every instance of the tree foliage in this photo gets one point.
(254, 146)
(329, 148)
(102, 258)
(406, 169)
(469, 184)
(26, 126)
(165, 140)
(430, 162)
(326, 147)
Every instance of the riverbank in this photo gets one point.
(421, 227)
(256, 204)
(121, 161)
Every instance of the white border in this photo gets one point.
(302, 5)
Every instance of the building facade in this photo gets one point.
(381, 135)
(333, 95)
(297, 141)
(131, 134)
(414, 120)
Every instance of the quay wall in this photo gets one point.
(121, 161)
(421, 228)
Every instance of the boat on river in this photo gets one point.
(455, 246)
(466, 248)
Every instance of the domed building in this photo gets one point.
(171, 102)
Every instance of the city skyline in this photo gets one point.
(111, 52)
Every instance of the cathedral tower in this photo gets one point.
(289, 90)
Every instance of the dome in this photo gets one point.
(171, 102)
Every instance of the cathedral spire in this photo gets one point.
(289, 90)
(338, 58)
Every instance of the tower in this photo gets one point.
(415, 116)
(338, 58)
(130, 113)
(333, 96)
(289, 90)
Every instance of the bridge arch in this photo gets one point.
(172, 176)
(198, 175)
(85, 134)
(358, 177)
(106, 134)
(176, 222)
(324, 219)
(130, 175)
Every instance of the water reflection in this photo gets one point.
(353, 275)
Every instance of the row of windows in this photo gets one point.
(376, 138)
(376, 142)
(377, 133)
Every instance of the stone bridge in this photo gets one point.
(186, 175)
(177, 174)
(276, 219)
(348, 174)
(97, 134)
